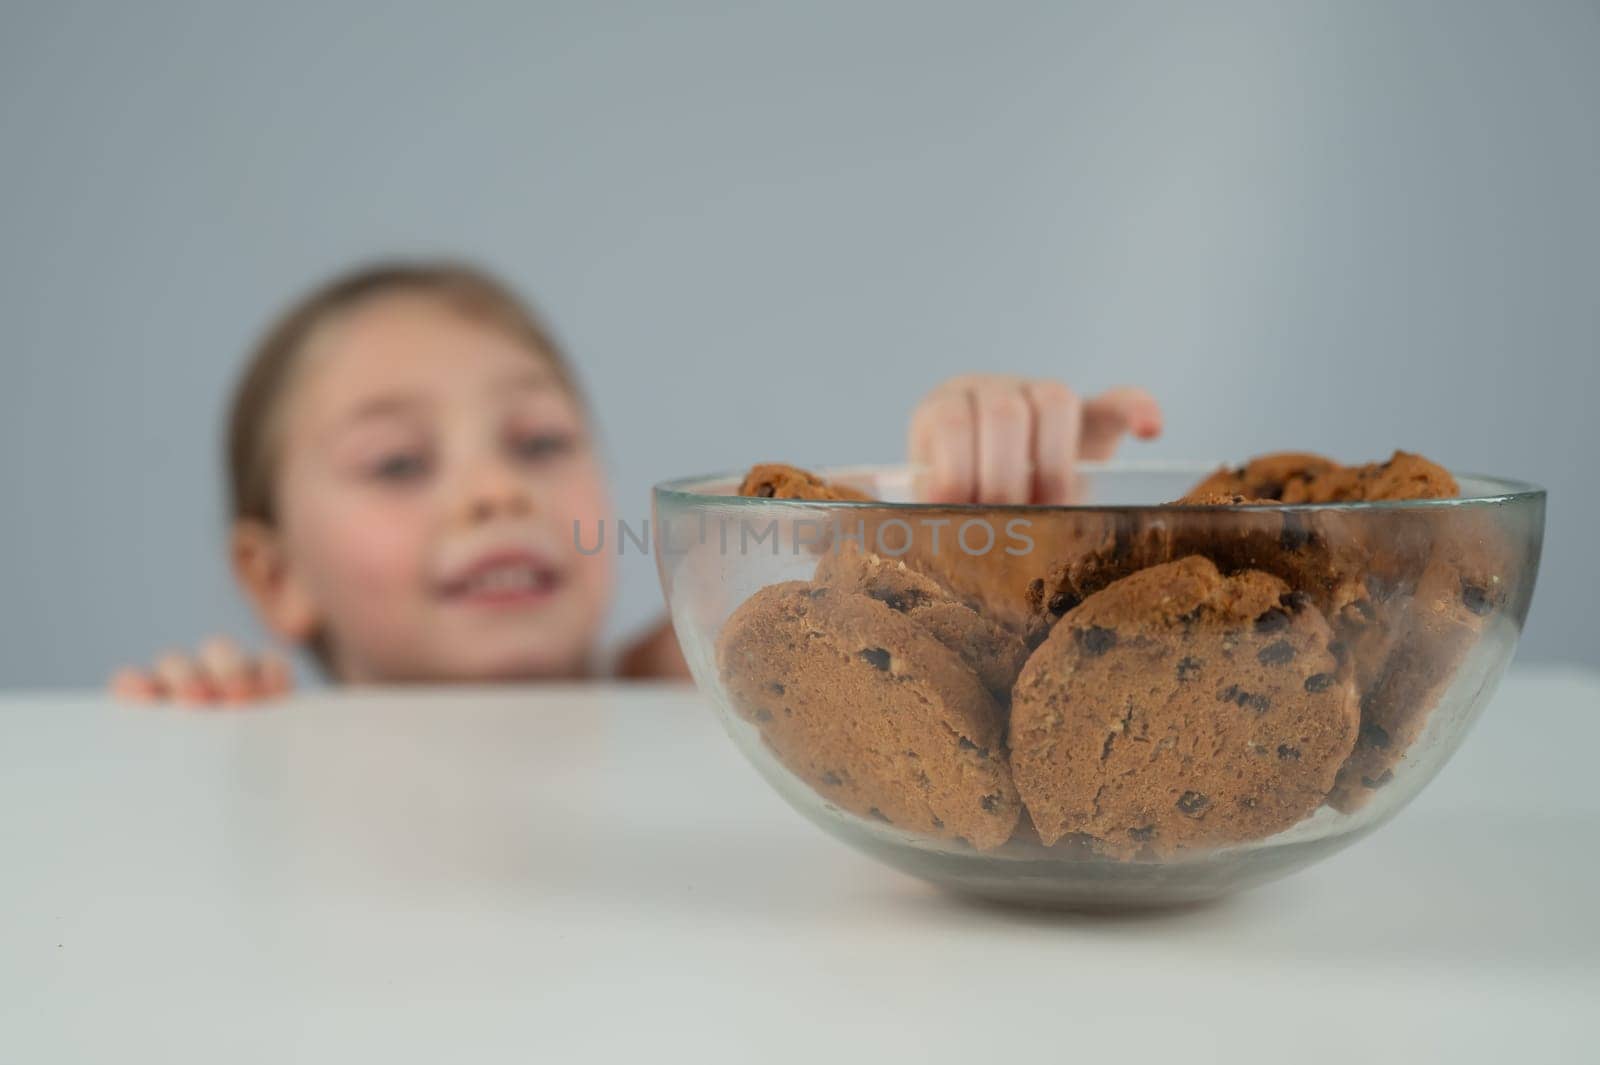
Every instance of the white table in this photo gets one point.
(594, 873)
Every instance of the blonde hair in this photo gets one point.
(252, 438)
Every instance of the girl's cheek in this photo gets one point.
(579, 509)
(363, 552)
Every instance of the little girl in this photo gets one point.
(408, 450)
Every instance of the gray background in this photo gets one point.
(764, 229)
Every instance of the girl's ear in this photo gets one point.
(262, 569)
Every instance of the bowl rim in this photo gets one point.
(692, 491)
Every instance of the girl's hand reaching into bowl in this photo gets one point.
(998, 438)
(220, 673)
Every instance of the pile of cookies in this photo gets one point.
(1164, 680)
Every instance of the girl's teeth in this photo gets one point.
(510, 579)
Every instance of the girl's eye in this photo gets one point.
(400, 467)
(541, 446)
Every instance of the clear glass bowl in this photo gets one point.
(1193, 730)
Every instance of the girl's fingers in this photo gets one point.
(182, 681)
(135, 685)
(1004, 442)
(228, 670)
(1057, 419)
(944, 443)
(1109, 415)
(273, 675)
(997, 439)
(220, 672)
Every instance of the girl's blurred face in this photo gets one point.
(431, 472)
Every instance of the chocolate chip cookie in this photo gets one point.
(987, 557)
(993, 652)
(1433, 623)
(1241, 533)
(774, 480)
(1282, 476)
(1296, 477)
(1180, 709)
(1129, 542)
(1403, 475)
(868, 708)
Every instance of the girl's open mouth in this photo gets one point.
(503, 578)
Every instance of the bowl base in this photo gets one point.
(1029, 875)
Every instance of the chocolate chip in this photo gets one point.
(964, 744)
(1274, 620)
(1061, 602)
(878, 815)
(1188, 667)
(1320, 682)
(1294, 535)
(1192, 803)
(776, 688)
(1374, 735)
(877, 656)
(1096, 640)
(1276, 653)
(1288, 753)
(1142, 835)
(766, 491)
(1336, 648)
(901, 601)
(1190, 618)
(1383, 778)
(1295, 600)
(831, 779)
(1235, 694)
(1476, 598)
(990, 803)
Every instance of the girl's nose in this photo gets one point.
(496, 492)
